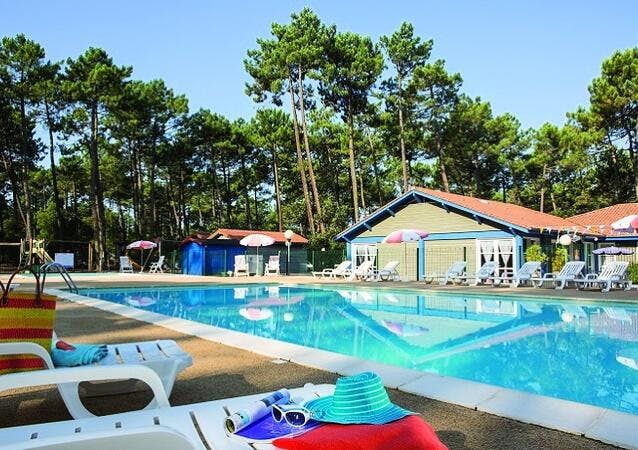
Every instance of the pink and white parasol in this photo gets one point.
(141, 245)
(399, 236)
(255, 314)
(257, 240)
(628, 223)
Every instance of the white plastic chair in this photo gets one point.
(125, 265)
(158, 266)
(241, 266)
(197, 426)
(571, 272)
(272, 266)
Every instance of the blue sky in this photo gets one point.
(533, 59)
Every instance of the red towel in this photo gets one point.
(409, 433)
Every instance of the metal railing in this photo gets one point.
(45, 268)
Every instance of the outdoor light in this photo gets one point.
(288, 235)
(565, 239)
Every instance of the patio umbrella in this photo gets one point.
(404, 235)
(257, 240)
(627, 223)
(141, 246)
(613, 251)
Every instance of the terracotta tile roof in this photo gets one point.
(504, 212)
(278, 236)
(600, 220)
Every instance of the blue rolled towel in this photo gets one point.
(66, 355)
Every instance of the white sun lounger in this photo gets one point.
(389, 272)
(481, 276)
(342, 270)
(571, 272)
(272, 266)
(613, 273)
(365, 271)
(164, 357)
(455, 271)
(525, 274)
(197, 426)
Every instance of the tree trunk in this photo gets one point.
(214, 185)
(442, 169)
(404, 159)
(248, 219)
(25, 181)
(275, 169)
(54, 176)
(375, 168)
(353, 171)
(99, 223)
(300, 164)
(152, 193)
(311, 172)
(542, 193)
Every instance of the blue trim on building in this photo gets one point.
(488, 234)
(518, 241)
(411, 197)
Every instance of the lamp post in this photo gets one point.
(288, 235)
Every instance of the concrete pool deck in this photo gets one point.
(581, 420)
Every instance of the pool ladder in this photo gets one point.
(46, 268)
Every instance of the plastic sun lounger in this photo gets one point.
(614, 273)
(272, 266)
(196, 426)
(571, 272)
(484, 273)
(364, 272)
(524, 274)
(241, 266)
(389, 272)
(164, 358)
(342, 270)
(456, 270)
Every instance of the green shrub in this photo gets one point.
(535, 253)
(560, 259)
(632, 272)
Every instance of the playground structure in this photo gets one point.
(32, 251)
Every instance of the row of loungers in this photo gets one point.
(612, 275)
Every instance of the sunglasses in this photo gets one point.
(294, 415)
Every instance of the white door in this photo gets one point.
(363, 252)
(502, 251)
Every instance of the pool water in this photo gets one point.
(586, 353)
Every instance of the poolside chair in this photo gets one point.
(125, 265)
(389, 271)
(456, 270)
(158, 266)
(241, 266)
(365, 271)
(197, 426)
(524, 274)
(482, 275)
(164, 358)
(613, 273)
(341, 270)
(272, 266)
(570, 273)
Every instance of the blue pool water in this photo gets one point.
(586, 353)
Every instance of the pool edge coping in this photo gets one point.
(538, 410)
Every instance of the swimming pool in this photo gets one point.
(581, 352)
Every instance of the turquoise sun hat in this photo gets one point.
(360, 398)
